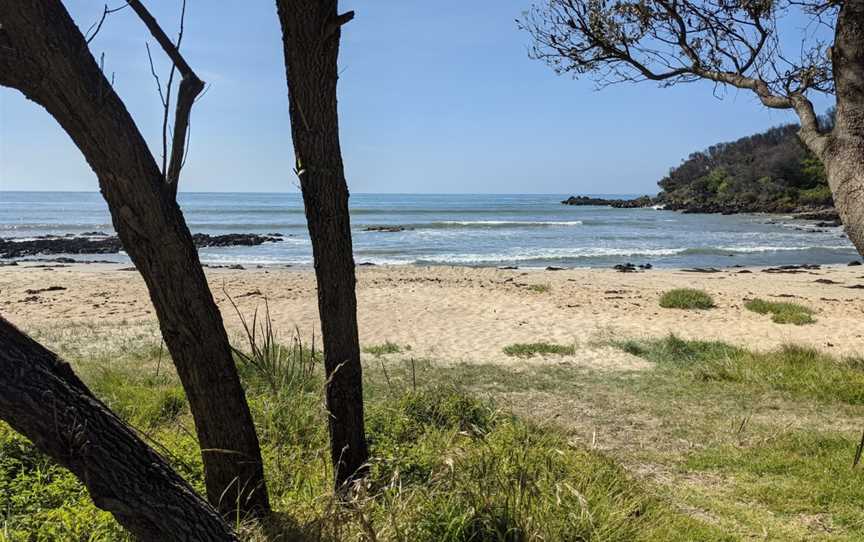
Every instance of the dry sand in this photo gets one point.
(454, 314)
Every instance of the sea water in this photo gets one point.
(458, 229)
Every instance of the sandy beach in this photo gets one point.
(456, 314)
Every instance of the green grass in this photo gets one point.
(526, 350)
(446, 463)
(686, 298)
(40, 500)
(792, 474)
(385, 348)
(782, 313)
(729, 444)
(540, 288)
(798, 371)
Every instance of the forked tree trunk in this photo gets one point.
(41, 398)
(843, 153)
(310, 35)
(44, 55)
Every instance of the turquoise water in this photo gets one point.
(475, 230)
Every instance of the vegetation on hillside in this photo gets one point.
(766, 172)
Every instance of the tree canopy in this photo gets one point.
(729, 42)
(766, 172)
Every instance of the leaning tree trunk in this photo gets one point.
(44, 55)
(310, 35)
(41, 398)
(843, 154)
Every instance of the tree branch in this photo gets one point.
(336, 23)
(190, 87)
(106, 11)
(810, 133)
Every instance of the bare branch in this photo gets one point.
(106, 11)
(190, 87)
(334, 24)
(159, 35)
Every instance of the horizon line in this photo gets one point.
(361, 193)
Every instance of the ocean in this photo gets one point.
(469, 230)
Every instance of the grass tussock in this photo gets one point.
(686, 298)
(527, 350)
(782, 312)
(385, 348)
(796, 370)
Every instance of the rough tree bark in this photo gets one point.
(842, 151)
(42, 398)
(45, 57)
(310, 36)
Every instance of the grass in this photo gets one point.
(798, 371)
(540, 288)
(447, 463)
(782, 313)
(794, 474)
(686, 298)
(385, 348)
(729, 444)
(527, 350)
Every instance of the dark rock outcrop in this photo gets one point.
(828, 214)
(642, 201)
(386, 229)
(11, 248)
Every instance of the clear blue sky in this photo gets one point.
(436, 97)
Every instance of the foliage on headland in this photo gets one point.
(768, 172)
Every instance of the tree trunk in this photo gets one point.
(44, 55)
(41, 398)
(310, 35)
(843, 154)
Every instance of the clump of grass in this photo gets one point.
(540, 288)
(384, 348)
(281, 368)
(686, 298)
(782, 312)
(526, 350)
(797, 370)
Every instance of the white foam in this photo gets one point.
(511, 223)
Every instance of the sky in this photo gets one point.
(434, 97)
